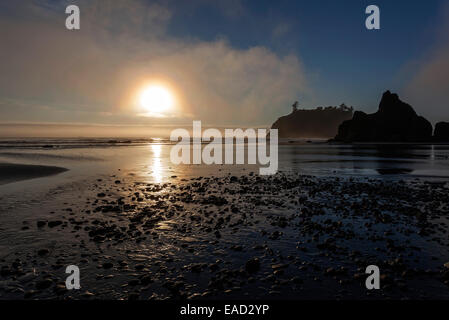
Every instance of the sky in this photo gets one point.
(228, 63)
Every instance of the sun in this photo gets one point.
(156, 99)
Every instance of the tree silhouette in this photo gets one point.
(295, 106)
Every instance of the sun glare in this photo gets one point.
(156, 99)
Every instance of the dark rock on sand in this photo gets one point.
(44, 284)
(441, 132)
(43, 252)
(133, 282)
(145, 280)
(29, 294)
(53, 224)
(41, 223)
(252, 265)
(395, 121)
(5, 271)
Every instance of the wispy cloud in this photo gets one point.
(85, 73)
(429, 84)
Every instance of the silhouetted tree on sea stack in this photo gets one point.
(312, 123)
(295, 106)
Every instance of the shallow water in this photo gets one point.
(150, 160)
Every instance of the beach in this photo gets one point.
(141, 228)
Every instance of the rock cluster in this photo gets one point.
(395, 121)
(287, 236)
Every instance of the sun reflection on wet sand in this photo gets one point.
(157, 164)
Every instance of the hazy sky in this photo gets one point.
(227, 62)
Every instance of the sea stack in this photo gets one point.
(395, 121)
(312, 123)
(441, 132)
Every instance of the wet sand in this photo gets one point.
(286, 236)
(11, 172)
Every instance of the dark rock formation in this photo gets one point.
(395, 121)
(441, 132)
(316, 123)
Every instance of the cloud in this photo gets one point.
(223, 84)
(91, 75)
(228, 8)
(280, 30)
(126, 17)
(428, 87)
(231, 8)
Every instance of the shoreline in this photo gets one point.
(13, 172)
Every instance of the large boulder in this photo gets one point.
(395, 121)
(442, 131)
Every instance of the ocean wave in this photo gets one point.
(70, 143)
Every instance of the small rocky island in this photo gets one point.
(395, 121)
(313, 123)
(441, 132)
